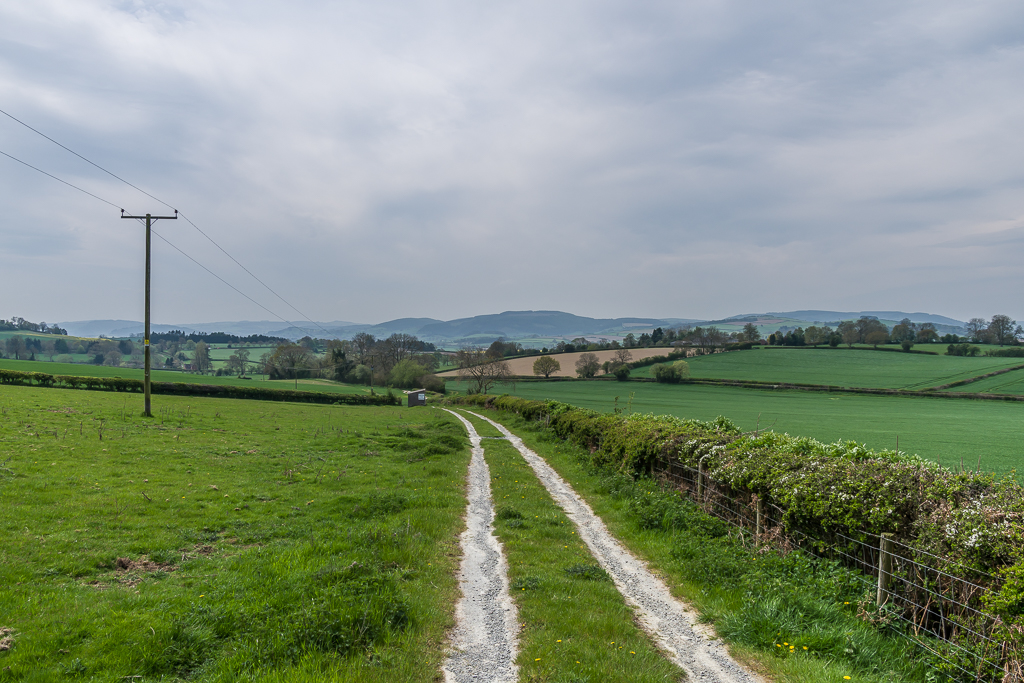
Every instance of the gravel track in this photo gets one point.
(484, 642)
(674, 626)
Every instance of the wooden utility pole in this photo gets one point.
(150, 219)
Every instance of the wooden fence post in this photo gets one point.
(884, 569)
(700, 481)
(760, 519)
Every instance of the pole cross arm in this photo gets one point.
(151, 217)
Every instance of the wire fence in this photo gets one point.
(936, 602)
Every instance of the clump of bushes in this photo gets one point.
(962, 350)
(671, 373)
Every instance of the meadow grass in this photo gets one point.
(576, 625)
(940, 429)
(258, 381)
(761, 603)
(225, 540)
(842, 367)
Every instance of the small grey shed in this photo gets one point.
(417, 397)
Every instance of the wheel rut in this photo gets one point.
(671, 622)
(484, 642)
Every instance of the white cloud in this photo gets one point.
(449, 158)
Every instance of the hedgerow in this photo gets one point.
(187, 389)
(954, 522)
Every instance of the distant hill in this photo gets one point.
(349, 330)
(517, 324)
(125, 328)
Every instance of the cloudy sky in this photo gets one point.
(437, 158)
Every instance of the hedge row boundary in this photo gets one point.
(119, 384)
(960, 523)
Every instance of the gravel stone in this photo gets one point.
(484, 642)
(690, 645)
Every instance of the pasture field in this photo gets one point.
(939, 429)
(225, 540)
(177, 376)
(843, 367)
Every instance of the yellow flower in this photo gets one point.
(537, 660)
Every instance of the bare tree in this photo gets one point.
(482, 371)
(622, 356)
(707, 339)
(587, 365)
(975, 327)
(363, 343)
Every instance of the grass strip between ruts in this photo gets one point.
(576, 627)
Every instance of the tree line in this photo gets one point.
(20, 324)
(401, 360)
(1000, 330)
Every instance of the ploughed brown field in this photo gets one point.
(524, 366)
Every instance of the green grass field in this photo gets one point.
(224, 539)
(842, 367)
(939, 429)
(176, 376)
(1008, 383)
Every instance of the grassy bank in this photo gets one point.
(225, 540)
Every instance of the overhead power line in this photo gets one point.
(169, 243)
(25, 163)
(136, 187)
